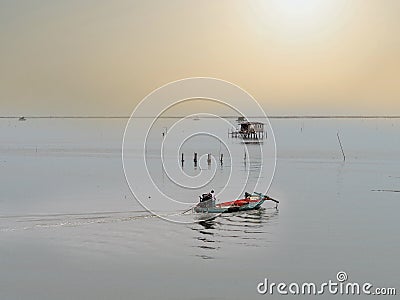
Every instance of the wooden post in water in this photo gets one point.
(182, 160)
(222, 158)
(341, 147)
(209, 159)
(195, 159)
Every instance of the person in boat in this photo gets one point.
(247, 195)
(212, 195)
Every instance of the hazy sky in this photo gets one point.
(295, 56)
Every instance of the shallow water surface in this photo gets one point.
(71, 229)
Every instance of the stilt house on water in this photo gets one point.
(248, 130)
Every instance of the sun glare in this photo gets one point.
(299, 10)
(297, 18)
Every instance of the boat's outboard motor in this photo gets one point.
(207, 200)
(205, 197)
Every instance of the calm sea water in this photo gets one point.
(71, 229)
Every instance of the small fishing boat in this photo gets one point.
(250, 202)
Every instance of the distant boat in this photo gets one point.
(22, 118)
(196, 118)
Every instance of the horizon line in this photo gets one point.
(204, 117)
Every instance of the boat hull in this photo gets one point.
(220, 209)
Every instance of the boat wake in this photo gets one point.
(47, 221)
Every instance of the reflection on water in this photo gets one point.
(250, 229)
(339, 179)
